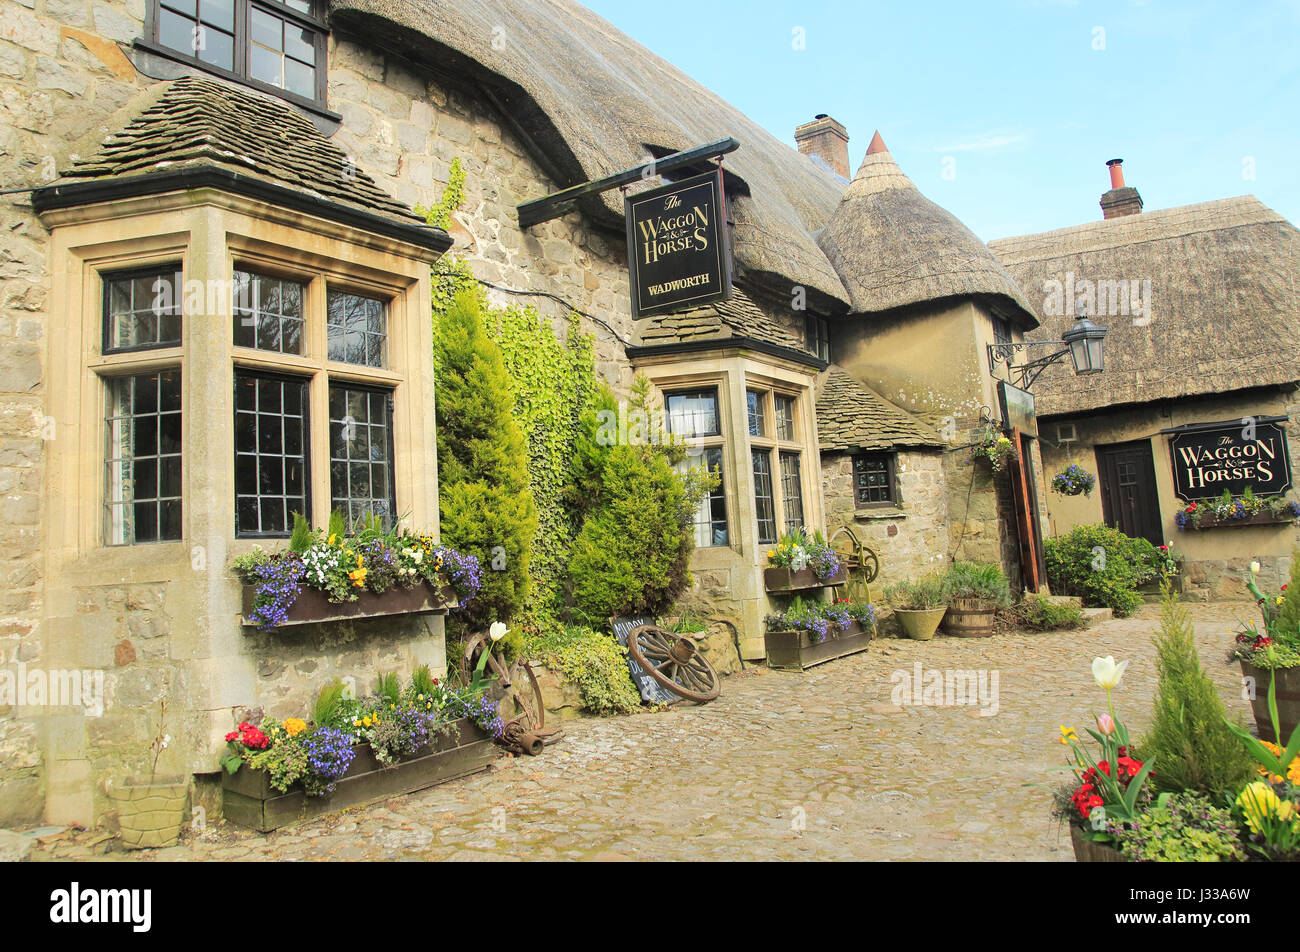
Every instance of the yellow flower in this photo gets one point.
(771, 554)
(1293, 770)
(331, 539)
(293, 726)
(365, 721)
(1259, 803)
(1068, 734)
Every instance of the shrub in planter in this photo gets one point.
(919, 606)
(1040, 613)
(1101, 565)
(1179, 828)
(979, 581)
(796, 551)
(592, 659)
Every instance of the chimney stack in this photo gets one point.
(1121, 200)
(827, 140)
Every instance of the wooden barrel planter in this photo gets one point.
(787, 580)
(1288, 700)
(1089, 851)
(970, 618)
(313, 607)
(248, 799)
(800, 650)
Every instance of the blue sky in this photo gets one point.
(1028, 98)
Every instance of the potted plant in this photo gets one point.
(1074, 480)
(808, 634)
(150, 815)
(1268, 809)
(1272, 657)
(355, 751)
(919, 606)
(330, 575)
(997, 448)
(1231, 511)
(974, 592)
(799, 563)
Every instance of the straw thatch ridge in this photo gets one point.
(894, 247)
(1224, 298)
(851, 417)
(195, 121)
(596, 102)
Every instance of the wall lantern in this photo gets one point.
(1082, 342)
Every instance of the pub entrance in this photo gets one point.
(1129, 500)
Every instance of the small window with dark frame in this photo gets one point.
(791, 491)
(819, 337)
(142, 310)
(873, 480)
(693, 413)
(783, 410)
(142, 497)
(763, 499)
(271, 451)
(754, 408)
(357, 329)
(275, 45)
(1001, 331)
(361, 454)
(268, 313)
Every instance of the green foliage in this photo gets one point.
(421, 681)
(1288, 613)
(1039, 613)
(453, 196)
(984, 580)
(595, 661)
(285, 760)
(389, 687)
(1182, 828)
(923, 594)
(487, 506)
(328, 703)
(1189, 736)
(1101, 565)
(689, 622)
(303, 537)
(633, 553)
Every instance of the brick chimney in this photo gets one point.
(1121, 200)
(826, 139)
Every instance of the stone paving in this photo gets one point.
(784, 766)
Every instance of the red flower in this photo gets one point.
(1104, 767)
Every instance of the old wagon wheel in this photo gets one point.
(859, 558)
(675, 662)
(516, 683)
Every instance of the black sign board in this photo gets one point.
(678, 251)
(1230, 456)
(651, 690)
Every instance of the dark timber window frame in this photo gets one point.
(890, 471)
(170, 273)
(703, 443)
(259, 375)
(241, 71)
(390, 450)
(819, 336)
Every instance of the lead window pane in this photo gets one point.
(711, 518)
(873, 480)
(361, 464)
(791, 491)
(356, 329)
(763, 502)
(693, 414)
(268, 313)
(270, 460)
(142, 496)
(142, 309)
(754, 408)
(784, 412)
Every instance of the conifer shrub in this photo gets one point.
(486, 505)
(1190, 741)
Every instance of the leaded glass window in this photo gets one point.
(763, 500)
(142, 496)
(271, 452)
(357, 329)
(361, 447)
(268, 313)
(142, 310)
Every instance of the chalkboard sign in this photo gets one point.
(651, 690)
(1209, 459)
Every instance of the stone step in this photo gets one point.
(1095, 616)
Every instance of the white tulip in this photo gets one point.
(498, 631)
(1254, 568)
(1107, 673)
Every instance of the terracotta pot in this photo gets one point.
(1288, 700)
(1086, 851)
(970, 618)
(920, 625)
(150, 815)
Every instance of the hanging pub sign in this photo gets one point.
(1018, 411)
(677, 248)
(1211, 458)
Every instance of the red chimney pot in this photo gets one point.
(1116, 173)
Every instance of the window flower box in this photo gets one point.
(1208, 521)
(801, 650)
(313, 607)
(248, 798)
(789, 580)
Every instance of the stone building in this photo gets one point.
(278, 149)
(1200, 303)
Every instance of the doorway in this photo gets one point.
(1129, 501)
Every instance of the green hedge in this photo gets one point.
(1101, 565)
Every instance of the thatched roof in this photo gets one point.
(1224, 303)
(197, 122)
(894, 247)
(595, 102)
(851, 416)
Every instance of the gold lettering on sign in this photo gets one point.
(668, 235)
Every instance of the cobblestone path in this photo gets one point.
(818, 766)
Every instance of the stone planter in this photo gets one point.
(920, 624)
(150, 815)
(778, 580)
(247, 797)
(313, 607)
(1087, 851)
(800, 650)
(1288, 700)
(970, 618)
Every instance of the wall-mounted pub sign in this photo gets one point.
(1211, 458)
(678, 251)
(1018, 411)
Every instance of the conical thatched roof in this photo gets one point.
(196, 122)
(851, 416)
(595, 102)
(1224, 301)
(893, 247)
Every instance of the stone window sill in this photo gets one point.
(889, 514)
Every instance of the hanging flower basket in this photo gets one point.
(997, 448)
(1074, 480)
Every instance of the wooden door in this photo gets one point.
(1129, 501)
